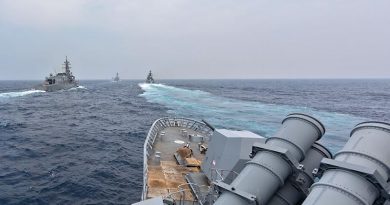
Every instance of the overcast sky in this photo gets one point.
(181, 39)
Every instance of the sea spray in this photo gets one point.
(19, 93)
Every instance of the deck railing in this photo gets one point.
(161, 124)
(180, 198)
(221, 174)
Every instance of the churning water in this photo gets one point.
(85, 145)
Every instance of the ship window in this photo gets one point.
(54, 81)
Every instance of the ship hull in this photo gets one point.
(56, 87)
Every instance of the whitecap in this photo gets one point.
(20, 93)
(78, 87)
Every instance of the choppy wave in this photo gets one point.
(4, 124)
(78, 87)
(258, 117)
(19, 93)
(85, 146)
(73, 147)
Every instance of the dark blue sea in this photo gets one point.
(84, 145)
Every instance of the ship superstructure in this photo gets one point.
(191, 162)
(149, 78)
(60, 81)
(116, 78)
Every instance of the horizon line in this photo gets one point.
(330, 78)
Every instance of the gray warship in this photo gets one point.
(59, 81)
(190, 162)
(116, 78)
(149, 78)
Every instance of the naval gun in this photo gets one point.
(272, 162)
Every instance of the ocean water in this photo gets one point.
(84, 145)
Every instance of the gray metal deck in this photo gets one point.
(164, 175)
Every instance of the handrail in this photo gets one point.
(220, 174)
(181, 191)
(161, 124)
(193, 185)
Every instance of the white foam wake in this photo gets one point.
(20, 93)
(78, 87)
(240, 114)
(148, 86)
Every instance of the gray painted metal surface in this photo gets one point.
(273, 162)
(360, 172)
(159, 125)
(154, 201)
(226, 149)
(149, 78)
(297, 186)
(60, 81)
(283, 167)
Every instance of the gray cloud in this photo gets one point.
(196, 39)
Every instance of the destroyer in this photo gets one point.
(116, 78)
(149, 78)
(60, 81)
(190, 162)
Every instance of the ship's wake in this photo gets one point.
(78, 87)
(81, 87)
(19, 93)
(231, 113)
(149, 86)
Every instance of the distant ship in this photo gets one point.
(149, 79)
(116, 79)
(60, 81)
